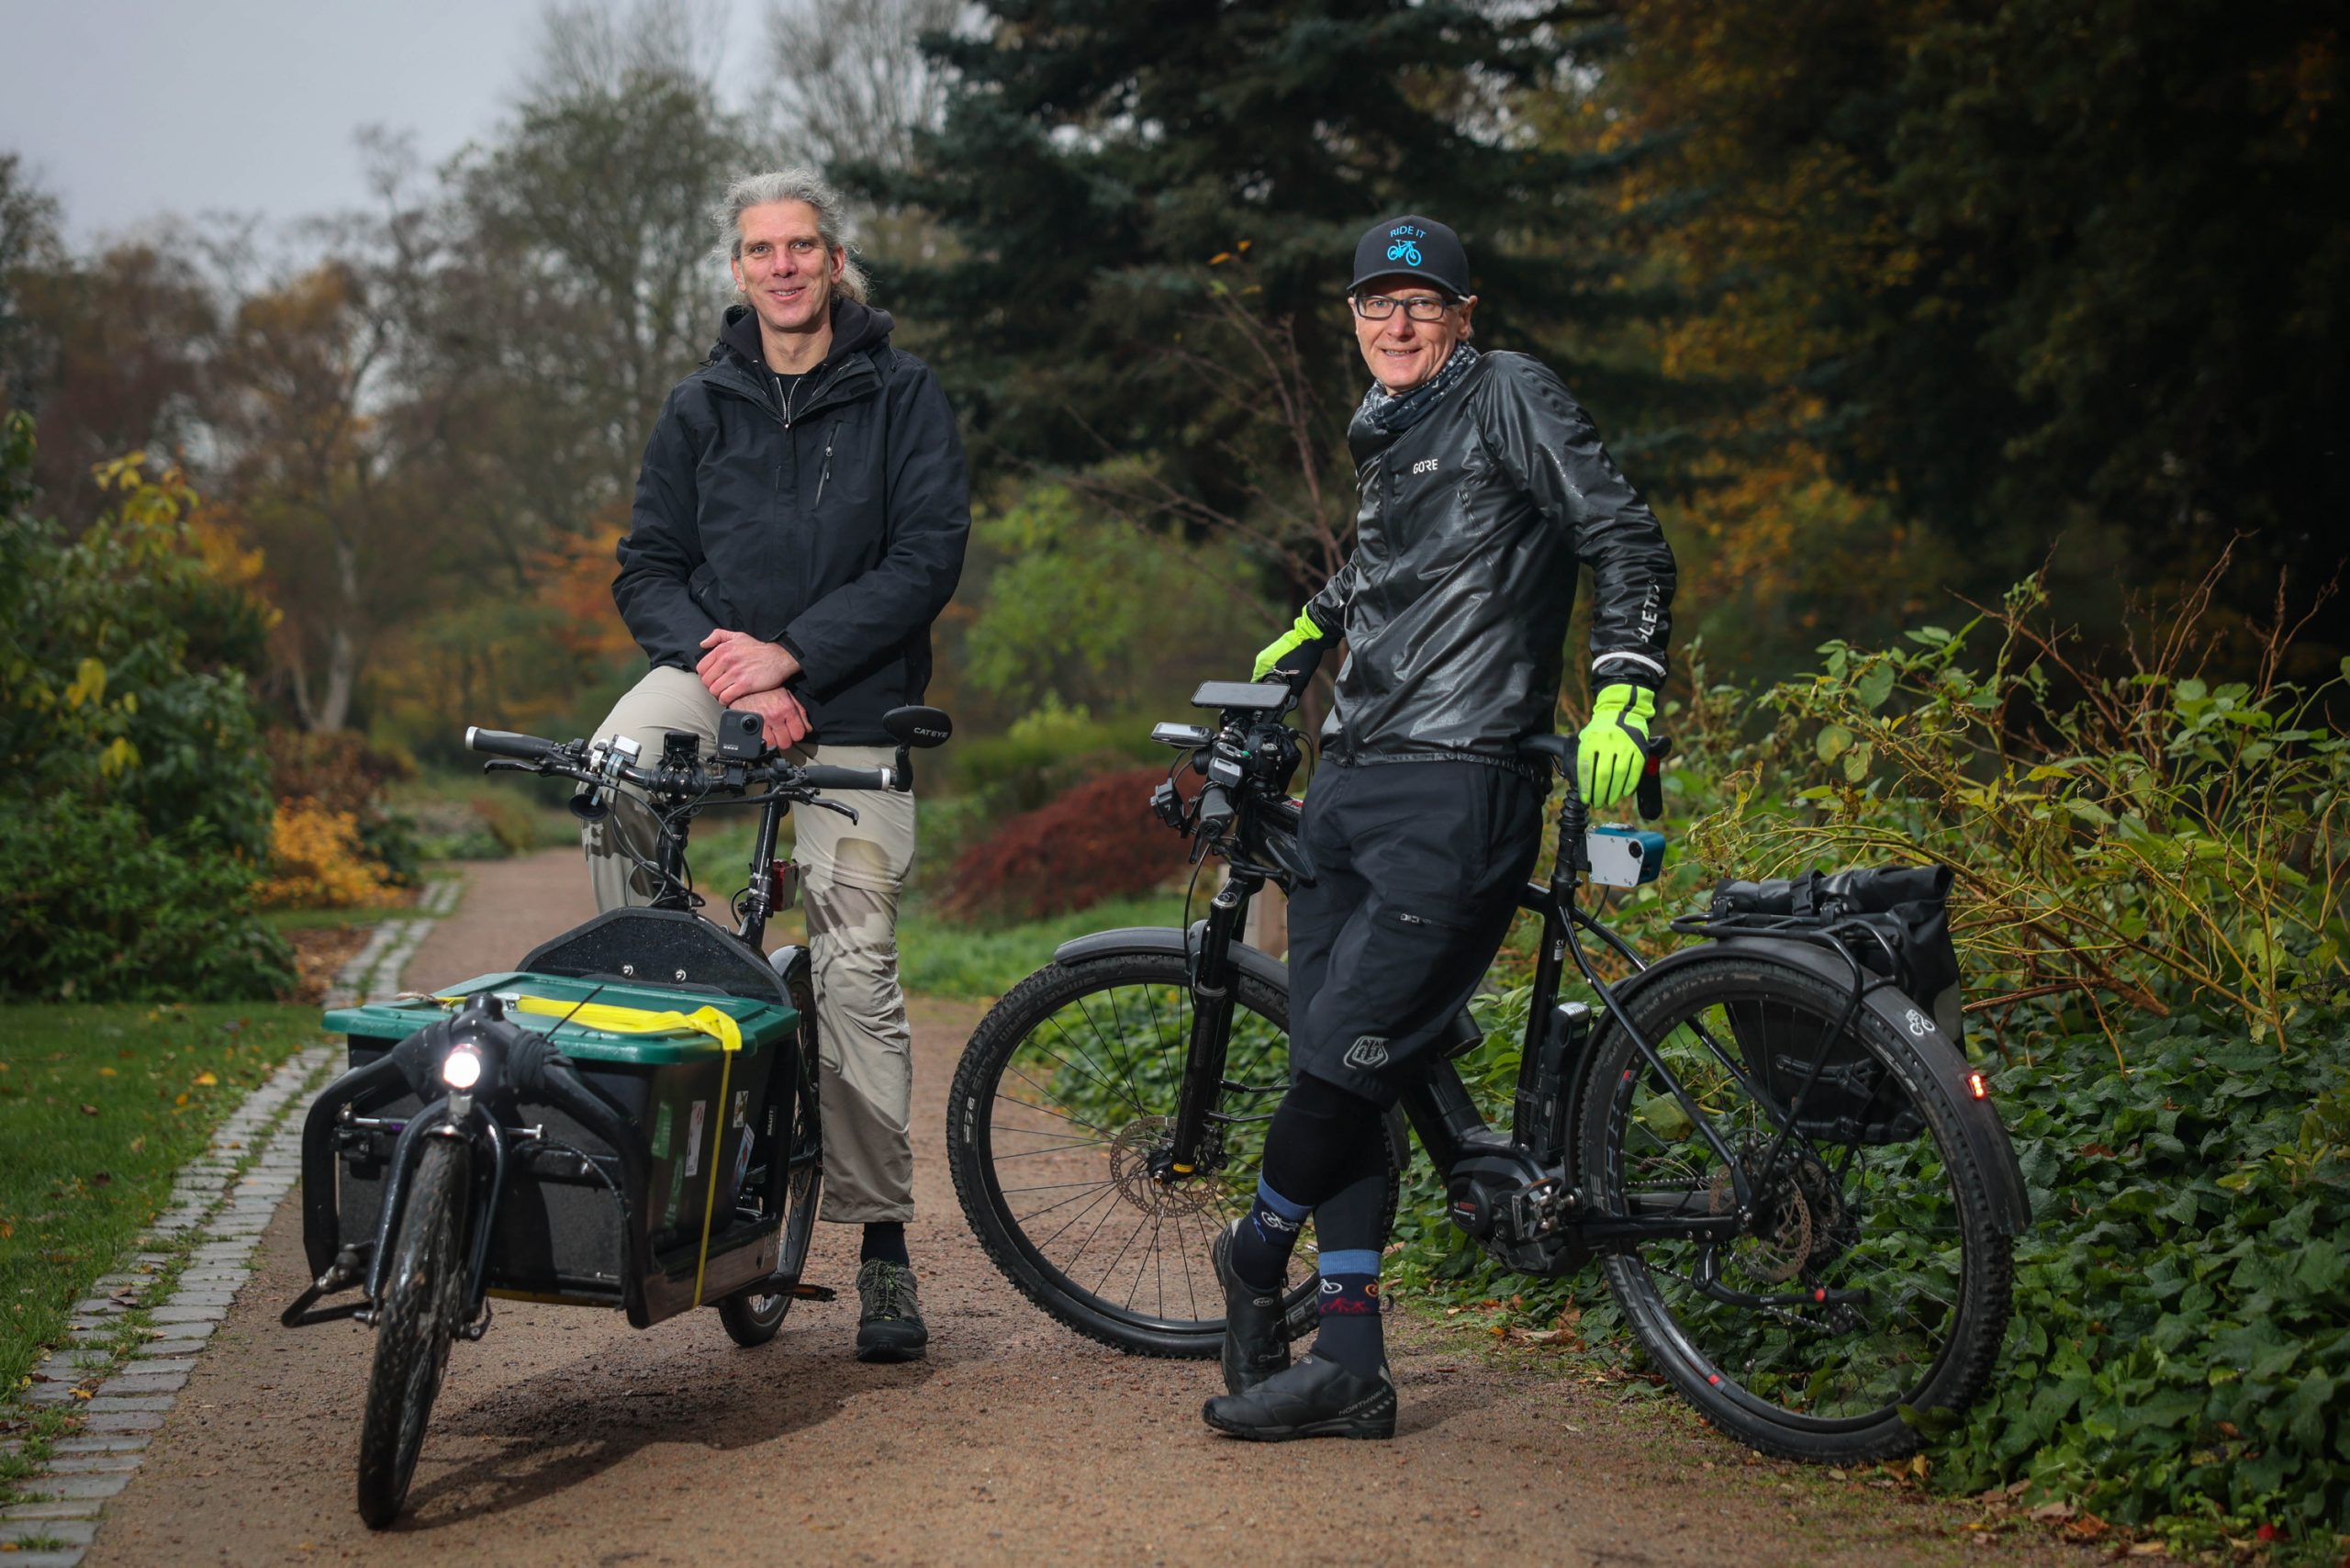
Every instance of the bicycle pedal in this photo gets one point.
(803, 1290)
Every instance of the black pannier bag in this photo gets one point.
(1896, 921)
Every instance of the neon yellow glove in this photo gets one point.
(1304, 630)
(1612, 750)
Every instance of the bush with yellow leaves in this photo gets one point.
(317, 861)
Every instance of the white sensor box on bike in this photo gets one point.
(1624, 857)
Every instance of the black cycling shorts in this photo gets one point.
(1418, 869)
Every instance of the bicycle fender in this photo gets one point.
(1931, 1053)
(1254, 962)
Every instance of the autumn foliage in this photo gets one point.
(1095, 842)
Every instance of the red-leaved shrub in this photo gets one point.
(1096, 841)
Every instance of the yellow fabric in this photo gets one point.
(633, 1020)
(709, 1205)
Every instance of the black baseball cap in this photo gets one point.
(1412, 246)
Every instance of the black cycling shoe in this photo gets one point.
(1256, 1344)
(1315, 1398)
(888, 1320)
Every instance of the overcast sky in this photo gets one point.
(129, 109)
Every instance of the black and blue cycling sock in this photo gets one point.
(1351, 1333)
(1352, 1227)
(1261, 1242)
(885, 1241)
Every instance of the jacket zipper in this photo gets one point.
(826, 471)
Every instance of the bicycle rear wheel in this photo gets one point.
(1872, 1275)
(750, 1317)
(1066, 1095)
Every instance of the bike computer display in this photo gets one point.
(1269, 697)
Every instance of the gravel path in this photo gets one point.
(565, 1437)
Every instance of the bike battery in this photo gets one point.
(1624, 857)
(557, 1231)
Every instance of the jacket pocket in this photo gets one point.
(1432, 914)
(703, 587)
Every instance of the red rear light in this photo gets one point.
(1978, 1086)
(779, 884)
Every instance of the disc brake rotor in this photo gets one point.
(1780, 1246)
(1136, 1155)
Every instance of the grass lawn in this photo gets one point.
(940, 957)
(99, 1106)
(284, 920)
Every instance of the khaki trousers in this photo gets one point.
(851, 875)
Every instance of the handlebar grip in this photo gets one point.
(1649, 796)
(825, 778)
(505, 743)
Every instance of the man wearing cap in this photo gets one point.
(1484, 489)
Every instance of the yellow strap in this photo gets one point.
(709, 1205)
(632, 1020)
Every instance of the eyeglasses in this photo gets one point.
(1419, 307)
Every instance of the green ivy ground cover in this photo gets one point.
(2179, 1356)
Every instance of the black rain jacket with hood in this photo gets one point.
(832, 522)
(1477, 508)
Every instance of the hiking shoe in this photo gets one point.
(1315, 1398)
(1256, 1344)
(888, 1317)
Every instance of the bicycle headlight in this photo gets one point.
(460, 1069)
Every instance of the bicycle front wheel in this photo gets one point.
(424, 1299)
(1062, 1112)
(1870, 1276)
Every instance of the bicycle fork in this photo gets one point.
(1196, 1143)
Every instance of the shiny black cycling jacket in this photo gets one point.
(1454, 604)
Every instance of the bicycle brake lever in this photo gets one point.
(848, 811)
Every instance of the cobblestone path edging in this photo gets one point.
(221, 1201)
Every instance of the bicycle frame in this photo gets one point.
(759, 900)
(1437, 1103)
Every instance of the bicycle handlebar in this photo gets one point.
(505, 743)
(551, 757)
(823, 776)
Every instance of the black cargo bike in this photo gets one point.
(627, 1119)
(1771, 1140)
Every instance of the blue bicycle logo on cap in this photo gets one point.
(1403, 251)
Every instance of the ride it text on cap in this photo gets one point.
(1412, 246)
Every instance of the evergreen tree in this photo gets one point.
(1155, 204)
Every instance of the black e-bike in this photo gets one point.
(1793, 1183)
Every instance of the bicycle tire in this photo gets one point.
(750, 1318)
(424, 1284)
(976, 1126)
(1815, 1382)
